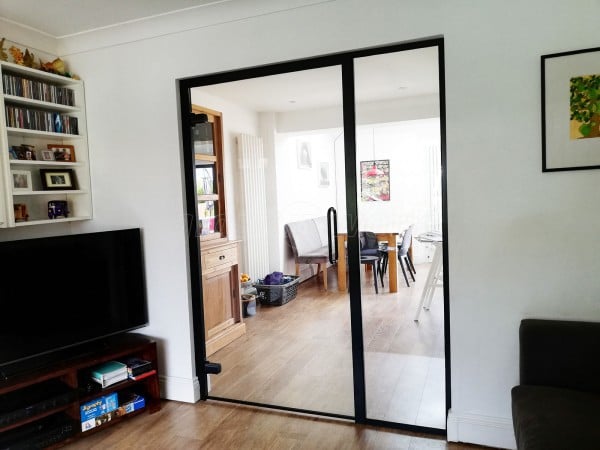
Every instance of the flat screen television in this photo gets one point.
(57, 293)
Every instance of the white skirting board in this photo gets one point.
(179, 389)
(483, 430)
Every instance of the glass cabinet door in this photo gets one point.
(206, 141)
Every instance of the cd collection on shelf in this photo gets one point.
(33, 119)
(37, 90)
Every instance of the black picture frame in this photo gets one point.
(58, 179)
(567, 78)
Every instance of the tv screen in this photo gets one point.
(57, 292)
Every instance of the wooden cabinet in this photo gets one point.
(221, 295)
(43, 147)
(219, 256)
(41, 407)
(207, 142)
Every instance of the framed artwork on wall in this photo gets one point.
(323, 174)
(304, 155)
(571, 110)
(375, 180)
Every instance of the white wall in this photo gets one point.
(521, 243)
(407, 146)
(300, 194)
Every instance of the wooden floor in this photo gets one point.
(299, 354)
(304, 351)
(215, 425)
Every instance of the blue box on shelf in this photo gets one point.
(94, 409)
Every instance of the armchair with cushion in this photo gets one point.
(556, 406)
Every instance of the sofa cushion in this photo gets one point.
(560, 353)
(303, 236)
(309, 240)
(549, 418)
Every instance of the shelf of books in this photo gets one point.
(42, 126)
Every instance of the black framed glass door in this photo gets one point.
(318, 362)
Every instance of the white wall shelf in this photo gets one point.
(24, 132)
(51, 221)
(30, 82)
(39, 104)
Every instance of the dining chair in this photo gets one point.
(404, 256)
(371, 255)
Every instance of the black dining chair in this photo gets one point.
(371, 255)
(404, 256)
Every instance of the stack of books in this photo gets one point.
(138, 368)
(109, 373)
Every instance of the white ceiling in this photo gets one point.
(391, 76)
(59, 18)
(383, 77)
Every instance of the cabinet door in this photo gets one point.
(218, 296)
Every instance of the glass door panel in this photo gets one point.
(283, 170)
(399, 201)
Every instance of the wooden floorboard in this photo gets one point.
(299, 355)
(217, 425)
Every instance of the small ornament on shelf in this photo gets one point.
(3, 54)
(21, 214)
(58, 67)
(58, 209)
(29, 59)
(17, 55)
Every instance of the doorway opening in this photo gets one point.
(362, 133)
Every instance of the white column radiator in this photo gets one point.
(255, 245)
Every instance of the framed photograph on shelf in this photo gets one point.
(571, 110)
(58, 179)
(63, 152)
(46, 155)
(21, 180)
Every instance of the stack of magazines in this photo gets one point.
(109, 373)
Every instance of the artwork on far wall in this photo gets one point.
(571, 110)
(375, 180)
(323, 174)
(304, 154)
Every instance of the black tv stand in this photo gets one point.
(49, 395)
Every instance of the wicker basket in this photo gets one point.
(277, 294)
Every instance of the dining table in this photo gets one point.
(390, 238)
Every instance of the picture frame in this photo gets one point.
(21, 180)
(46, 155)
(375, 180)
(570, 110)
(58, 179)
(304, 155)
(63, 152)
(324, 174)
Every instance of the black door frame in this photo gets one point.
(346, 61)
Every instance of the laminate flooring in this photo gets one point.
(217, 425)
(299, 354)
